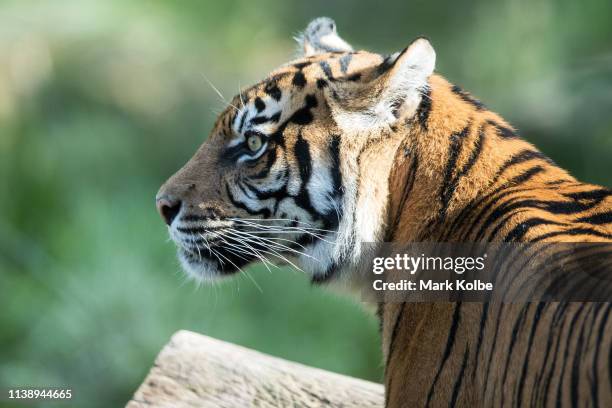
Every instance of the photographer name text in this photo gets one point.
(431, 285)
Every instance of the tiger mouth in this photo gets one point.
(225, 247)
(208, 252)
(211, 251)
(225, 261)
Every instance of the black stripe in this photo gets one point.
(388, 388)
(231, 154)
(326, 70)
(475, 154)
(268, 83)
(275, 117)
(503, 131)
(457, 385)
(405, 194)
(564, 207)
(396, 326)
(302, 65)
(534, 325)
(231, 120)
(494, 199)
(244, 191)
(386, 64)
(521, 157)
(597, 219)
(273, 90)
(259, 105)
(595, 371)
(552, 372)
(199, 230)
(523, 177)
(574, 379)
(597, 195)
(390, 60)
(336, 171)
(278, 194)
(521, 229)
(518, 324)
(502, 224)
(572, 231)
(517, 180)
(566, 351)
(460, 220)
(192, 230)
(303, 116)
(194, 217)
(508, 207)
(483, 323)
(345, 60)
(258, 120)
(264, 212)
(449, 183)
(299, 79)
(302, 155)
(242, 119)
(466, 97)
(380, 312)
(559, 311)
(556, 182)
(450, 341)
(424, 108)
(497, 322)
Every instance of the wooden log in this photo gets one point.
(193, 370)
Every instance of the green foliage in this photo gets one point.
(100, 101)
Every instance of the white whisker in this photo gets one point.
(282, 219)
(251, 250)
(275, 228)
(218, 92)
(277, 245)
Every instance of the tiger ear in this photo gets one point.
(391, 90)
(407, 77)
(320, 36)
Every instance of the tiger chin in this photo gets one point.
(339, 148)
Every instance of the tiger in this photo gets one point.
(339, 148)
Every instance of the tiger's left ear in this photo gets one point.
(320, 36)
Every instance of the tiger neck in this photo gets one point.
(454, 151)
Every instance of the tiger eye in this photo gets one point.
(254, 142)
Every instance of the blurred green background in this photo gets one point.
(101, 101)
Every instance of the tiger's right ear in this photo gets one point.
(388, 92)
(320, 36)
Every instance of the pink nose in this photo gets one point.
(168, 207)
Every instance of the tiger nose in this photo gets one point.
(168, 207)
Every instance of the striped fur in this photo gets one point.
(359, 147)
(490, 185)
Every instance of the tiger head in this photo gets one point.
(292, 170)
